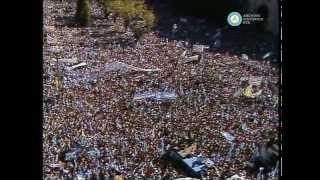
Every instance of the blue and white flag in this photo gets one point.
(159, 96)
(230, 138)
(70, 156)
(94, 153)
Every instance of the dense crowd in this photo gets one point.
(93, 127)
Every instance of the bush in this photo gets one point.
(82, 16)
(135, 13)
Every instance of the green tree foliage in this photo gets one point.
(135, 14)
(82, 16)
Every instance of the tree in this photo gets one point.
(135, 14)
(82, 16)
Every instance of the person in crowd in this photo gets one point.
(94, 129)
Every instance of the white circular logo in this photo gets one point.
(234, 19)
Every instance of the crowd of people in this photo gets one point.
(93, 128)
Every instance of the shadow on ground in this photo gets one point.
(199, 25)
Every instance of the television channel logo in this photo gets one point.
(234, 19)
